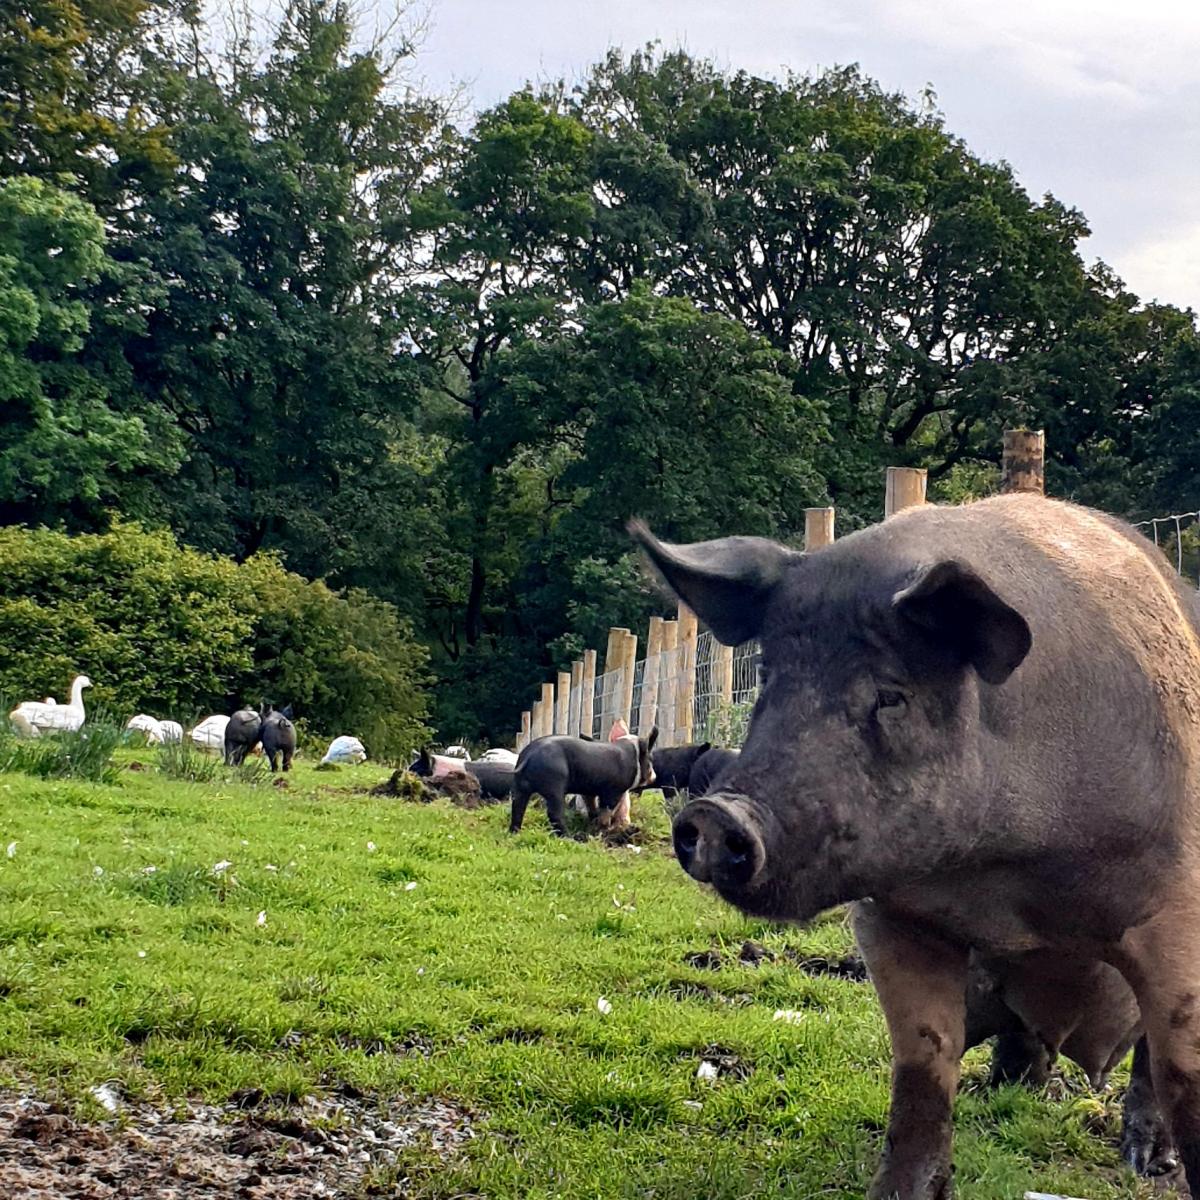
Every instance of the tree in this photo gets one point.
(276, 347)
(67, 448)
(489, 236)
(76, 102)
(648, 407)
(911, 283)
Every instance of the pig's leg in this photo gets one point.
(1145, 1139)
(1020, 1058)
(287, 759)
(921, 981)
(555, 807)
(1161, 961)
(520, 801)
(621, 813)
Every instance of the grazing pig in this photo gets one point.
(278, 736)
(673, 766)
(242, 734)
(986, 719)
(603, 772)
(495, 779)
(707, 767)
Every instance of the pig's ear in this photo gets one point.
(726, 582)
(950, 601)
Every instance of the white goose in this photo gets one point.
(36, 716)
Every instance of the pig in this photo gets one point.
(673, 766)
(602, 772)
(278, 736)
(494, 778)
(707, 767)
(981, 725)
(242, 734)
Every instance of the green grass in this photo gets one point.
(479, 984)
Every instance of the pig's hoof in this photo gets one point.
(1146, 1146)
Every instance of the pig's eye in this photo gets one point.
(892, 701)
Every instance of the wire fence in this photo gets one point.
(686, 698)
(1178, 537)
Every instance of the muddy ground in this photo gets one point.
(249, 1148)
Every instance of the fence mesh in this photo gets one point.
(725, 681)
(1178, 537)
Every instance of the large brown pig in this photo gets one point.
(982, 724)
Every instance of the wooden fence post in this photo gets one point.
(536, 730)
(587, 693)
(905, 489)
(818, 527)
(667, 680)
(628, 669)
(526, 729)
(547, 709)
(562, 706)
(610, 696)
(686, 696)
(1023, 466)
(648, 708)
(576, 698)
(723, 673)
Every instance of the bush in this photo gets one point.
(167, 630)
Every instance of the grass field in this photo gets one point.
(418, 951)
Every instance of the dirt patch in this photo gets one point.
(849, 967)
(750, 955)
(719, 1062)
(320, 1147)
(461, 790)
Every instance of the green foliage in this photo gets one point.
(167, 630)
(66, 449)
(85, 753)
(726, 723)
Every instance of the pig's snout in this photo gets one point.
(717, 841)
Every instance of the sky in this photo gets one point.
(1095, 101)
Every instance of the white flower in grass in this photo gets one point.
(790, 1015)
(603, 1006)
(410, 885)
(97, 871)
(261, 920)
(12, 849)
(270, 867)
(141, 954)
(370, 847)
(149, 870)
(221, 867)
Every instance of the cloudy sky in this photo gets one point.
(1097, 101)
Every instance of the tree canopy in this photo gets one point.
(275, 300)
